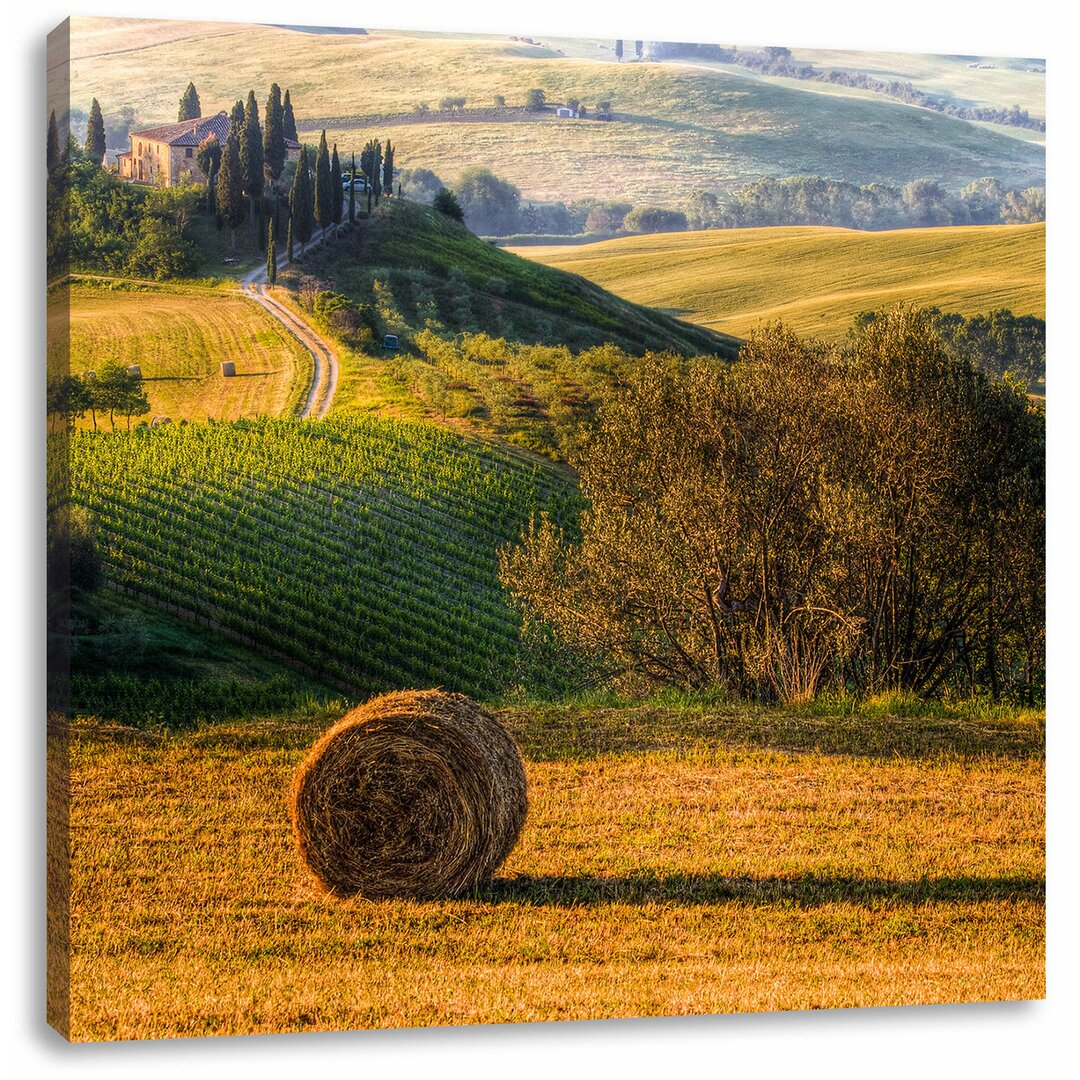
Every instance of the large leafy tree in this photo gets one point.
(324, 186)
(119, 392)
(288, 121)
(866, 515)
(95, 134)
(230, 185)
(491, 205)
(190, 109)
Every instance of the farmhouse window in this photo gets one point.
(187, 152)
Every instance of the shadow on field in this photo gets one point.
(811, 890)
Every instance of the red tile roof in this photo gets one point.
(192, 132)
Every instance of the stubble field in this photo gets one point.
(674, 861)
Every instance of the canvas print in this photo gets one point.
(539, 528)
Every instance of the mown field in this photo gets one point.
(680, 126)
(179, 336)
(815, 279)
(674, 861)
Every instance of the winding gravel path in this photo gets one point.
(324, 381)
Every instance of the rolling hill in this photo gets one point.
(678, 126)
(362, 553)
(815, 279)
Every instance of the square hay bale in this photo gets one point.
(228, 368)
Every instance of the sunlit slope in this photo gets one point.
(363, 553)
(816, 279)
(678, 126)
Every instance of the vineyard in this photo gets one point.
(363, 553)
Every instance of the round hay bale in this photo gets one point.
(416, 793)
(228, 368)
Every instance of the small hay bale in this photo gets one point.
(228, 368)
(135, 369)
(416, 793)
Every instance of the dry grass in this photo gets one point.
(648, 880)
(815, 279)
(180, 336)
(681, 126)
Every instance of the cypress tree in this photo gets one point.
(618, 49)
(288, 121)
(371, 163)
(95, 134)
(335, 180)
(274, 135)
(352, 190)
(300, 201)
(236, 118)
(324, 192)
(52, 144)
(251, 153)
(190, 109)
(271, 255)
(230, 187)
(289, 242)
(208, 158)
(388, 169)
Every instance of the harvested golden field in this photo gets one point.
(180, 336)
(814, 279)
(672, 863)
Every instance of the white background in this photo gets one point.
(1029, 1039)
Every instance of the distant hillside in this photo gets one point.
(816, 279)
(678, 126)
(487, 341)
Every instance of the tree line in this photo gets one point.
(114, 390)
(777, 60)
(851, 518)
(495, 207)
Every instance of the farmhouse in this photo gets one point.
(165, 156)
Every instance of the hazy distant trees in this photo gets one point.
(490, 205)
(419, 185)
(618, 50)
(535, 99)
(816, 200)
(646, 219)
